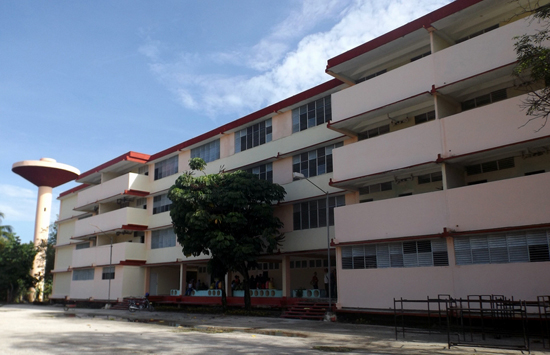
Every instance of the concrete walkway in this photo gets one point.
(326, 336)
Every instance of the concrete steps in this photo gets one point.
(307, 310)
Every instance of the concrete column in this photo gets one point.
(41, 229)
(286, 276)
(183, 281)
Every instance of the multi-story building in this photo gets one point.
(115, 236)
(434, 185)
(450, 187)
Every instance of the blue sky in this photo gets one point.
(85, 81)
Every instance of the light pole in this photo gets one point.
(301, 176)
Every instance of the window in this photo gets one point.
(166, 167)
(374, 132)
(143, 170)
(312, 214)
(141, 203)
(478, 33)
(483, 100)
(413, 59)
(83, 274)
(253, 136)
(384, 186)
(312, 114)
(208, 152)
(490, 166)
(427, 178)
(398, 254)
(315, 162)
(510, 247)
(163, 238)
(264, 172)
(108, 273)
(424, 117)
(82, 246)
(161, 203)
(368, 77)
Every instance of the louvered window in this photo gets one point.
(161, 203)
(312, 114)
(374, 132)
(253, 136)
(490, 166)
(263, 172)
(315, 162)
(424, 117)
(313, 214)
(483, 100)
(163, 238)
(497, 248)
(399, 254)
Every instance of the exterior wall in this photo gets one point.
(307, 239)
(63, 257)
(133, 280)
(65, 230)
(282, 125)
(67, 205)
(61, 284)
(282, 171)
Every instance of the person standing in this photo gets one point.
(314, 281)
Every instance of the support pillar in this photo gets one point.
(286, 277)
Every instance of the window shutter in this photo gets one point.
(383, 255)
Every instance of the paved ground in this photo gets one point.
(27, 329)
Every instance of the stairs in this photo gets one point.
(307, 310)
(121, 305)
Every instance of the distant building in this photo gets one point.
(433, 187)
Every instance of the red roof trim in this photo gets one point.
(422, 22)
(130, 156)
(133, 262)
(74, 189)
(304, 95)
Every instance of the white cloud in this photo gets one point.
(280, 70)
(17, 203)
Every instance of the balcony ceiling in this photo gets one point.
(401, 173)
(357, 124)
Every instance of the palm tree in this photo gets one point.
(4, 230)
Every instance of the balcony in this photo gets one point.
(110, 221)
(100, 255)
(112, 188)
(514, 202)
(407, 147)
(487, 127)
(395, 85)
(480, 54)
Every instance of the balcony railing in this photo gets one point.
(100, 255)
(114, 187)
(111, 221)
(514, 202)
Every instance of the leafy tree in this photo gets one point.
(50, 259)
(16, 262)
(533, 56)
(227, 215)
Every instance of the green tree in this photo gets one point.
(533, 67)
(228, 216)
(16, 262)
(50, 260)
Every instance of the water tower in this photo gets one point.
(45, 173)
